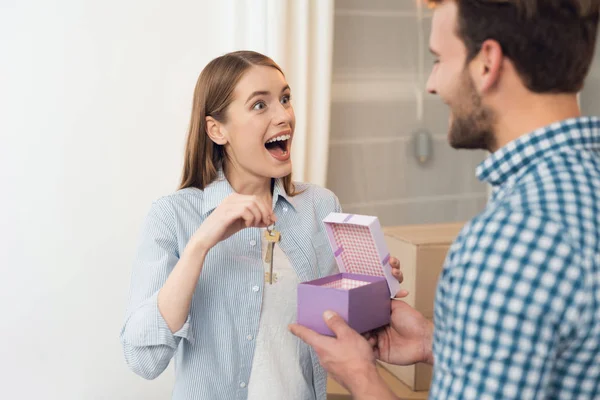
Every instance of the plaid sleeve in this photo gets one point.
(516, 311)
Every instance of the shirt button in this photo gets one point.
(242, 384)
(253, 242)
(285, 209)
(255, 288)
(249, 337)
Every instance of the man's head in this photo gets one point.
(492, 53)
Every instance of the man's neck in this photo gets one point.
(532, 112)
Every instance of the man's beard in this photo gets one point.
(472, 123)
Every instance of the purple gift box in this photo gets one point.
(361, 292)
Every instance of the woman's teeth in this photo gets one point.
(280, 138)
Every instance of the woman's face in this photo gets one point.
(260, 124)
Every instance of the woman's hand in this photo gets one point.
(397, 273)
(235, 213)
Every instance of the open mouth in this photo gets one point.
(278, 147)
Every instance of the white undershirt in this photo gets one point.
(277, 372)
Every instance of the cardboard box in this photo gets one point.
(416, 377)
(361, 292)
(422, 250)
(336, 392)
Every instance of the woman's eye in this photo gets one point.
(286, 99)
(259, 105)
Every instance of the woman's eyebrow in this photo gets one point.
(264, 93)
(257, 93)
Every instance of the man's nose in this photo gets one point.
(430, 87)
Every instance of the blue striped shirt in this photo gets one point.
(517, 312)
(214, 349)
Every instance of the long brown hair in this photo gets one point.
(212, 96)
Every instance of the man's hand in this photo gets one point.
(408, 338)
(348, 358)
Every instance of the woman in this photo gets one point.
(201, 291)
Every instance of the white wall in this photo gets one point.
(94, 104)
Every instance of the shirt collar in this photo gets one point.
(279, 192)
(216, 192)
(219, 189)
(581, 133)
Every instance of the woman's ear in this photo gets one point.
(215, 131)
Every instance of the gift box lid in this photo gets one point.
(359, 246)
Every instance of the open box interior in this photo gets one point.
(360, 254)
(361, 292)
(345, 284)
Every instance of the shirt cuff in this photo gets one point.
(147, 327)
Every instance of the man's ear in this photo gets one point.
(215, 131)
(488, 65)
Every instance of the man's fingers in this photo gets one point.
(372, 341)
(309, 336)
(401, 293)
(337, 324)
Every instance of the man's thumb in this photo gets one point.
(336, 323)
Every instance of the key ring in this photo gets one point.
(271, 229)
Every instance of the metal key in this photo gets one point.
(272, 236)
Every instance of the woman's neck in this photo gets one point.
(244, 182)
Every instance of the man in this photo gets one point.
(517, 309)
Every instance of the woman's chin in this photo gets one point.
(282, 170)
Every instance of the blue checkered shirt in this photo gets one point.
(517, 312)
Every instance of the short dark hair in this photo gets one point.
(550, 42)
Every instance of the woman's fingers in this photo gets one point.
(396, 271)
(268, 217)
